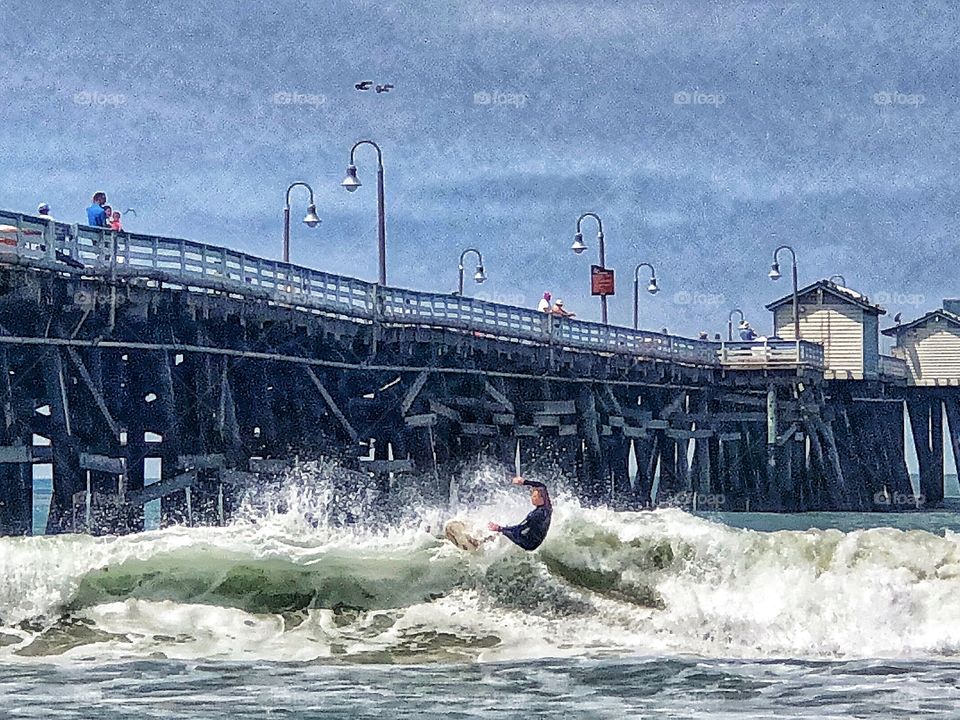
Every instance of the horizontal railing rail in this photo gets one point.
(891, 366)
(97, 251)
(771, 353)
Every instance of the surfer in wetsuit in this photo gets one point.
(533, 530)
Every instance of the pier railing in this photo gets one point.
(771, 354)
(176, 262)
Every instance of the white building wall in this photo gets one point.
(932, 353)
(838, 327)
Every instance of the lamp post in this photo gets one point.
(479, 276)
(841, 278)
(578, 247)
(652, 288)
(310, 219)
(730, 322)
(351, 182)
(775, 275)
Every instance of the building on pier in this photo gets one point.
(842, 320)
(930, 347)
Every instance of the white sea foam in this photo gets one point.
(283, 586)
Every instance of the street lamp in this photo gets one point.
(579, 246)
(310, 219)
(651, 288)
(841, 278)
(351, 182)
(775, 275)
(479, 276)
(730, 322)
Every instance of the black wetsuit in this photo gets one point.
(533, 530)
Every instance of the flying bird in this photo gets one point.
(365, 85)
(384, 88)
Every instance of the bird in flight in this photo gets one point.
(384, 88)
(364, 85)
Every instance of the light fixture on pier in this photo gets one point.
(351, 182)
(578, 246)
(479, 276)
(652, 288)
(775, 275)
(775, 271)
(311, 219)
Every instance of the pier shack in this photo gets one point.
(117, 348)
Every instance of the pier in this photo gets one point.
(119, 347)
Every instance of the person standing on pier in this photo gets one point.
(530, 533)
(96, 215)
(560, 311)
(747, 333)
(544, 305)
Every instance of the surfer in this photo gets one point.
(533, 530)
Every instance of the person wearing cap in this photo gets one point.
(544, 305)
(560, 311)
(747, 333)
(96, 215)
(43, 210)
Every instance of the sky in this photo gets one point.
(704, 134)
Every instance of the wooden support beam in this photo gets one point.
(498, 396)
(410, 396)
(550, 407)
(423, 420)
(161, 489)
(331, 403)
(91, 386)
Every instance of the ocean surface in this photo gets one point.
(645, 615)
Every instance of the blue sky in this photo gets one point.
(704, 134)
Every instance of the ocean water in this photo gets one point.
(654, 614)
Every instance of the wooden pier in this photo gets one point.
(117, 347)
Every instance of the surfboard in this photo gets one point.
(456, 532)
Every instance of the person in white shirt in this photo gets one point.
(544, 305)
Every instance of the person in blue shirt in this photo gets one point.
(96, 215)
(530, 533)
(747, 333)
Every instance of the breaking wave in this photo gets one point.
(278, 584)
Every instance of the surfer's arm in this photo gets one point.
(518, 480)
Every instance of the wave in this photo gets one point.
(281, 585)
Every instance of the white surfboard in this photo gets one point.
(456, 532)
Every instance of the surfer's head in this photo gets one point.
(538, 496)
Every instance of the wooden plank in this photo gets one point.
(15, 454)
(526, 431)
(268, 465)
(656, 424)
(738, 399)
(637, 415)
(213, 461)
(616, 421)
(788, 434)
(688, 434)
(504, 419)
(567, 430)
(162, 489)
(546, 420)
(728, 436)
(97, 396)
(423, 420)
(632, 432)
(551, 407)
(381, 467)
(498, 396)
(479, 429)
(334, 408)
(439, 408)
(726, 417)
(413, 391)
(102, 463)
